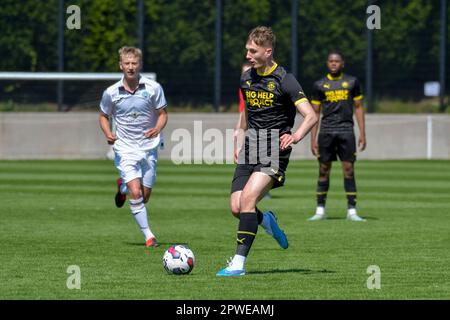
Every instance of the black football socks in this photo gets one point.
(248, 227)
(350, 191)
(322, 191)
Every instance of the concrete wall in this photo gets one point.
(78, 136)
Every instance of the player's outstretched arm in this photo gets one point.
(310, 119)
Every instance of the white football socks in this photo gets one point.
(140, 215)
(320, 211)
(237, 263)
(351, 212)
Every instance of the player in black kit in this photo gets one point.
(336, 95)
(272, 97)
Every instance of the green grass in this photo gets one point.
(60, 213)
(426, 105)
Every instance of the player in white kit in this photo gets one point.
(138, 107)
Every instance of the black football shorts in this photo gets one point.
(333, 145)
(243, 172)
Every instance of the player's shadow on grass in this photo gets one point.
(345, 218)
(161, 244)
(304, 271)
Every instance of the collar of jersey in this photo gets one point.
(141, 80)
(268, 72)
(330, 77)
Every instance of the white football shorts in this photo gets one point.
(137, 164)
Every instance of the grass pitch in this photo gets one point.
(55, 214)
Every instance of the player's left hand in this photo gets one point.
(153, 132)
(287, 139)
(362, 143)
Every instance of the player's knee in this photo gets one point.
(348, 172)
(248, 201)
(135, 193)
(235, 208)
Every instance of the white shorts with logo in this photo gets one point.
(137, 164)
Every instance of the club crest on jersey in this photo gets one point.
(271, 86)
(326, 85)
(345, 84)
(145, 94)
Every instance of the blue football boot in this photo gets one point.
(275, 230)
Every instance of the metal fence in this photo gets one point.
(395, 47)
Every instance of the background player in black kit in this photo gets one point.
(336, 94)
(272, 97)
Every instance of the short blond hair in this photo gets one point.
(130, 50)
(262, 36)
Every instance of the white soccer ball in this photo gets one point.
(179, 259)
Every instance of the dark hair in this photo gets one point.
(335, 51)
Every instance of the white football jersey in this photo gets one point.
(134, 113)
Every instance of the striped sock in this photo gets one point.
(322, 191)
(248, 227)
(350, 192)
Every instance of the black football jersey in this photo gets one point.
(335, 96)
(270, 98)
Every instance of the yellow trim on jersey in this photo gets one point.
(316, 102)
(301, 100)
(360, 97)
(268, 72)
(330, 77)
(247, 232)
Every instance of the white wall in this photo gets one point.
(78, 136)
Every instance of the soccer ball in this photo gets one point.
(178, 259)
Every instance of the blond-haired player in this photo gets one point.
(138, 106)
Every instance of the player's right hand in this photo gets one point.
(111, 138)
